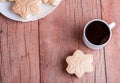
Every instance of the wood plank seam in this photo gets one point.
(39, 50)
(9, 54)
(26, 54)
(105, 64)
(0, 54)
(17, 53)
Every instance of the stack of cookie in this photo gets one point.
(25, 8)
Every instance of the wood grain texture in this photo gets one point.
(61, 35)
(110, 13)
(19, 52)
(57, 41)
(35, 52)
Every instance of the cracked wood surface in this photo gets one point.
(35, 52)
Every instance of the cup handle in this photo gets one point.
(112, 25)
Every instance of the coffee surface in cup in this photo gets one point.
(97, 32)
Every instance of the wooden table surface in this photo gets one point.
(35, 52)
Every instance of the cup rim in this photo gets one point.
(91, 22)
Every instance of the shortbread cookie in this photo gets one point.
(79, 63)
(53, 2)
(26, 7)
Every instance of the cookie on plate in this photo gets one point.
(25, 8)
(53, 2)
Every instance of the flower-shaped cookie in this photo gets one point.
(53, 2)
(26, 7)
(79, 63)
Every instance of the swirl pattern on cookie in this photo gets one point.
(26, 7)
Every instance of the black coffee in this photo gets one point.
(97, 32)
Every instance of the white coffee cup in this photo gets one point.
(92, 45)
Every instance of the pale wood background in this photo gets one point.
(35, 52)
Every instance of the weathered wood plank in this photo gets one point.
(57, 41)
(5, 53)
(58, 36)
(91, 9)
(19, 52)
(110, 12)
(61, 34)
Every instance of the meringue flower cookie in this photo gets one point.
(25, 8)
(53, 2)
(79, 63)
(56, 2)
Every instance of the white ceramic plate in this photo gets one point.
(5, 9)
